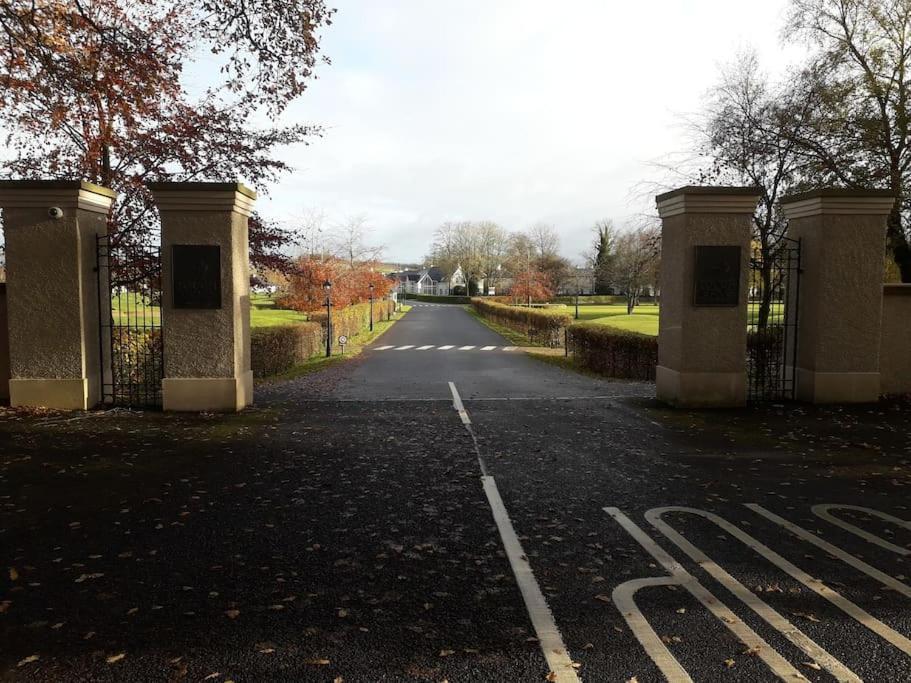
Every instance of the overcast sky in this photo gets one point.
(515, 111)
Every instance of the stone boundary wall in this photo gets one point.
(4, 346)
(895, 352)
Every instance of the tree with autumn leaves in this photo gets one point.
(94, 89)
(304, 290)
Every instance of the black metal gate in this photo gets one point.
(772, 324)
(129, 306)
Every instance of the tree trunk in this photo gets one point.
(898, 244)
(765, 303)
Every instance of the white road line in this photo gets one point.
(424, 348)
(814, 584)
(835, 551)
(778, 664)
(822, 511)
(624, 599)
(457, 404)
(382, 348)
(542, 619)
(549, 638)
(750, 599)
(488, 348)
(446, 348)
(466, 348)
(405, 348)
(510, 348)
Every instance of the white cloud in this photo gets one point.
(512, 110)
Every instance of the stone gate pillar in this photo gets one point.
(4, 346)
(206, 295)
(702, 327)
(51, 228)
(842, 235)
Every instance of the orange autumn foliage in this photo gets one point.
(350, 284)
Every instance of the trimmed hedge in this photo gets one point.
(439, 299)
(541, 326)
(353, 319)
(276, 349)
(613, 352)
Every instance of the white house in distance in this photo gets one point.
(432, 281)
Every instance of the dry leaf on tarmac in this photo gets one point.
(13, 574)
(633, 680)
(813, 665)
(603, 598)
(446, 653)
(317, 662)
(729, 663)
(28, 660)
(232, 613)
(115, 658)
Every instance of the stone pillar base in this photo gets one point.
(837, 387)
(59, 394)
(701, 389)
(207, 394)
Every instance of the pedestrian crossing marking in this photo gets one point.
(446, 347)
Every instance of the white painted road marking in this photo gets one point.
(468, 347)
(542, 619)
(750, 599)
(624, 600)
(488, 348)
(383, 348)
(835, 551)
(446, 348)
(822, 511)
(465, 348)
(457, 404)
(424, 348)
(405, 348)
(778, 664)
(549, 638)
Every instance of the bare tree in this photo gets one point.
(544, 239)
(351, 241)
(858, 84)
(635, 266)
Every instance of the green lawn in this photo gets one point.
(263, 313)
(643, 320)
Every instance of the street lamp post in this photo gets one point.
(578, 293)
(371, 307)
(327, 285)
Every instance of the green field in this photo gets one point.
(263, 313)
(644, 319)
(134, 309)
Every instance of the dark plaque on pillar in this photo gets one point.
(196, 275)
(717, 278)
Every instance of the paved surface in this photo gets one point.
(348, 529)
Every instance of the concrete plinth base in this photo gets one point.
(207, 394)
(59, 394)
(837, 387)
(701, 389)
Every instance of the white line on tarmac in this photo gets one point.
(542, 619)
(549, 638)
(383, 348)
(466, 348)
(835, 551)
(488, 348)
(457, 404)
(405, 348)
(823, 512)
(778, 664)
(814, 584)
(624, 599)
(446, 348)
(750, 599)
(424, 348)
(510, 348)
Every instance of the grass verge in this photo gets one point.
(353, 349)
